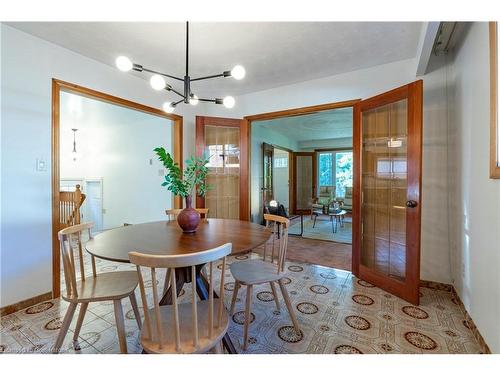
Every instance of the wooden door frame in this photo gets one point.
(413, 92)
(242, 124)
(314, 176)
(289, 113)
(59, 86)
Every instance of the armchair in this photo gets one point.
(347, 205)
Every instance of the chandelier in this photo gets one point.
(157, 80)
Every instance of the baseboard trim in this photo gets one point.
(468, 319)
(10, 309)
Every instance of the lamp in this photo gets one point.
(74, 153)
(157, 80)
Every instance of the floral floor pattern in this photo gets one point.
(337, 313)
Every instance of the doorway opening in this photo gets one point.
(289, 166)
(103, 164)
(384, 165)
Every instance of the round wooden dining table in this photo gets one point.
(167, 238)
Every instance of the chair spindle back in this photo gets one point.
(159, 332)
(279, 226)
(203, 213)
(172, 213)
(70, 240)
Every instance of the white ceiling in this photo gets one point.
(273, 53)
(323, 125)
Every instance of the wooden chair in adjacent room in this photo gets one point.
(195, 327)
(107, 286)
(257, 271)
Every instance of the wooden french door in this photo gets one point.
(225, 142)
(267, 173)
(387, 190)
(304, 181)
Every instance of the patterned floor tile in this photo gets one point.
(337, 313)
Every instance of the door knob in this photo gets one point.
(411, 204)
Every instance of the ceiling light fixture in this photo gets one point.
(158, 83)
(74, 153)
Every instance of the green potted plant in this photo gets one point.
(185, 184)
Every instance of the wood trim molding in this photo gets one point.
(59, 86)
(468, 322)
(10, 309)
(494, 157)
(93, 94)
(301, 110)
(337, 149)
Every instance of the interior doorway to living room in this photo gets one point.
(304, 163)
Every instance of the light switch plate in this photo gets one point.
(41, 165)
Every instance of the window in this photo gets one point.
(343, 172)
(281, 162)
(325, 169)
(335, 169)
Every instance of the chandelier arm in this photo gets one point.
(175, 103)
(162, 74)
(170, 88)
(208, 100)
(225, 74)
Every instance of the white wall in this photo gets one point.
(116, 144)
(26, 111)
(474, 197)
(28, 65)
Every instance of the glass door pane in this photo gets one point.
(222, 145)
(304, 181)
(343, 172)
(384, 189)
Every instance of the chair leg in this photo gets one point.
(235, 295)
(217, 349)
(167, 281)
(120, 325)
(247, 316)
(289, 306)
(314, 224)
(273, 288)
(65, 326)
(81, 316)
(133, 301)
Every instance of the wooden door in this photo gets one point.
(267, 173)
(304, 181)
(225, 142)
(387, 190)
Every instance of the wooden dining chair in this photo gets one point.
(257, 271)
(194, 327)
(173, 212)
(107, 286)
(203, 213)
